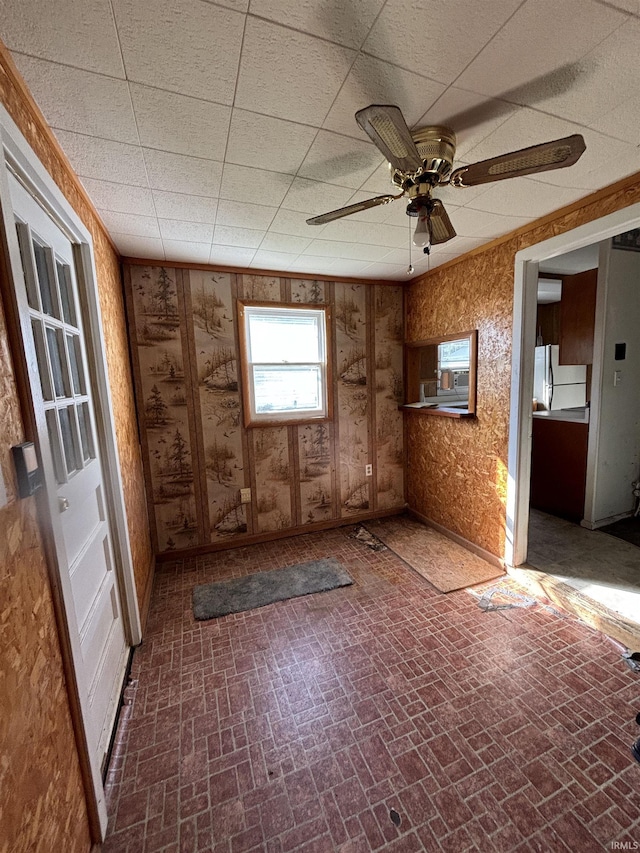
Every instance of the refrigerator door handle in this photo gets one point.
(550, 385)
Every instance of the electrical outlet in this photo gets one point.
(368, 470)
(245, 496)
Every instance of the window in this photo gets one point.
(284, 353)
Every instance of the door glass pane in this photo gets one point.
(23, 242)
(68, 442)
(77, 375)
(56, 356)
(41, 355)
(56, 450)
(84, 422)
(47, 286)
(66, 293)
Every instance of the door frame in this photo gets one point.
(17, 157)
(523, 351)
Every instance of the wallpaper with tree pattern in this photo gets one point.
(199, 455)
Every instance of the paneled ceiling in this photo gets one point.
(209, 132)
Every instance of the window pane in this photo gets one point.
(287, 389)
(284, 337)
(84, 423)
(66, 294)
(67, 439)
(54, 441)
(56, 356)
(73, 347)
(43, 367)
(47, 286)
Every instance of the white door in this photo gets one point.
(72, 468)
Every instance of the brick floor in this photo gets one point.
(301, 725)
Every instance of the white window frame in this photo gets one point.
(246, 310)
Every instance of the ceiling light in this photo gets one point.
(421, 236)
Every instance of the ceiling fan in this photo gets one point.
(422, 159)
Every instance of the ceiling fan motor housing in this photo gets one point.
(437, 147)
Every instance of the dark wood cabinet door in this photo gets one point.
(577, 317)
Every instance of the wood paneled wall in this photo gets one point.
(198, 455)
(42, 800)
(457, 469)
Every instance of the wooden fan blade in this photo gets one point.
(386, 127)
(440, 225)
(557, 154)
(351, 208)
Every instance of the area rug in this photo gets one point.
(233, 596)
(627, 529)
(444, 563)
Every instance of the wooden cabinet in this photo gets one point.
(559, 467)
(577, 317)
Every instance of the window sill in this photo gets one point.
(438, 411)
(280, 422)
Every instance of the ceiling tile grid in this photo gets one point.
(210, 131)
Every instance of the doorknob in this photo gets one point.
(63, 504)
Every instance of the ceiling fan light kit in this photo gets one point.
(421, 160)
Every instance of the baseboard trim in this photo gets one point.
(487, 556)
(603, 522)
(258, 538)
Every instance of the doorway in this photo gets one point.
(59, 348)
(564, 548)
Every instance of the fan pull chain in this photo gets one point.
(410, 267)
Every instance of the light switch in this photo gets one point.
(617, 377)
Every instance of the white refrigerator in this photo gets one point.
(558, 386)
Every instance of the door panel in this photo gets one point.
(59, 383)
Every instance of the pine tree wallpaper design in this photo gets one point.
(198, 455)
(158, 337)
(216, 359)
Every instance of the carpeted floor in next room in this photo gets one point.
(380, 716)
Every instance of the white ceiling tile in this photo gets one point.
(80, 101)
(65, 31)
(179, 250)
(401, 256)
(353, 251)
(243, 214)
(313, 264)
(180, 124)
(130, 223)
(288, 74)
(192, 208)
(272, 260)
(248, 238)
(385, 271)
(240, 183)
(285, 243)
(178, 173)
(293, 222)
(138, 247)
(355, 231)
(119, 197)
(373, 81)
(187, 232)
(542, 38)
(231, 256)
(188, 47)
(103, 159)
(523, 197)
(437, 38)
(305, 195)
(237, 5)
(348, 267)
(380, 182)
(269, 143)
(476, 223)
(343, 23)
(336, 159)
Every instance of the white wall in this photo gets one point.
(617, 419)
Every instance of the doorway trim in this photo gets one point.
(17, 158)
(522, 358)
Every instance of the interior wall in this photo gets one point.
(457, 469)
(618, 460)
(41, 796)
(198, 455)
